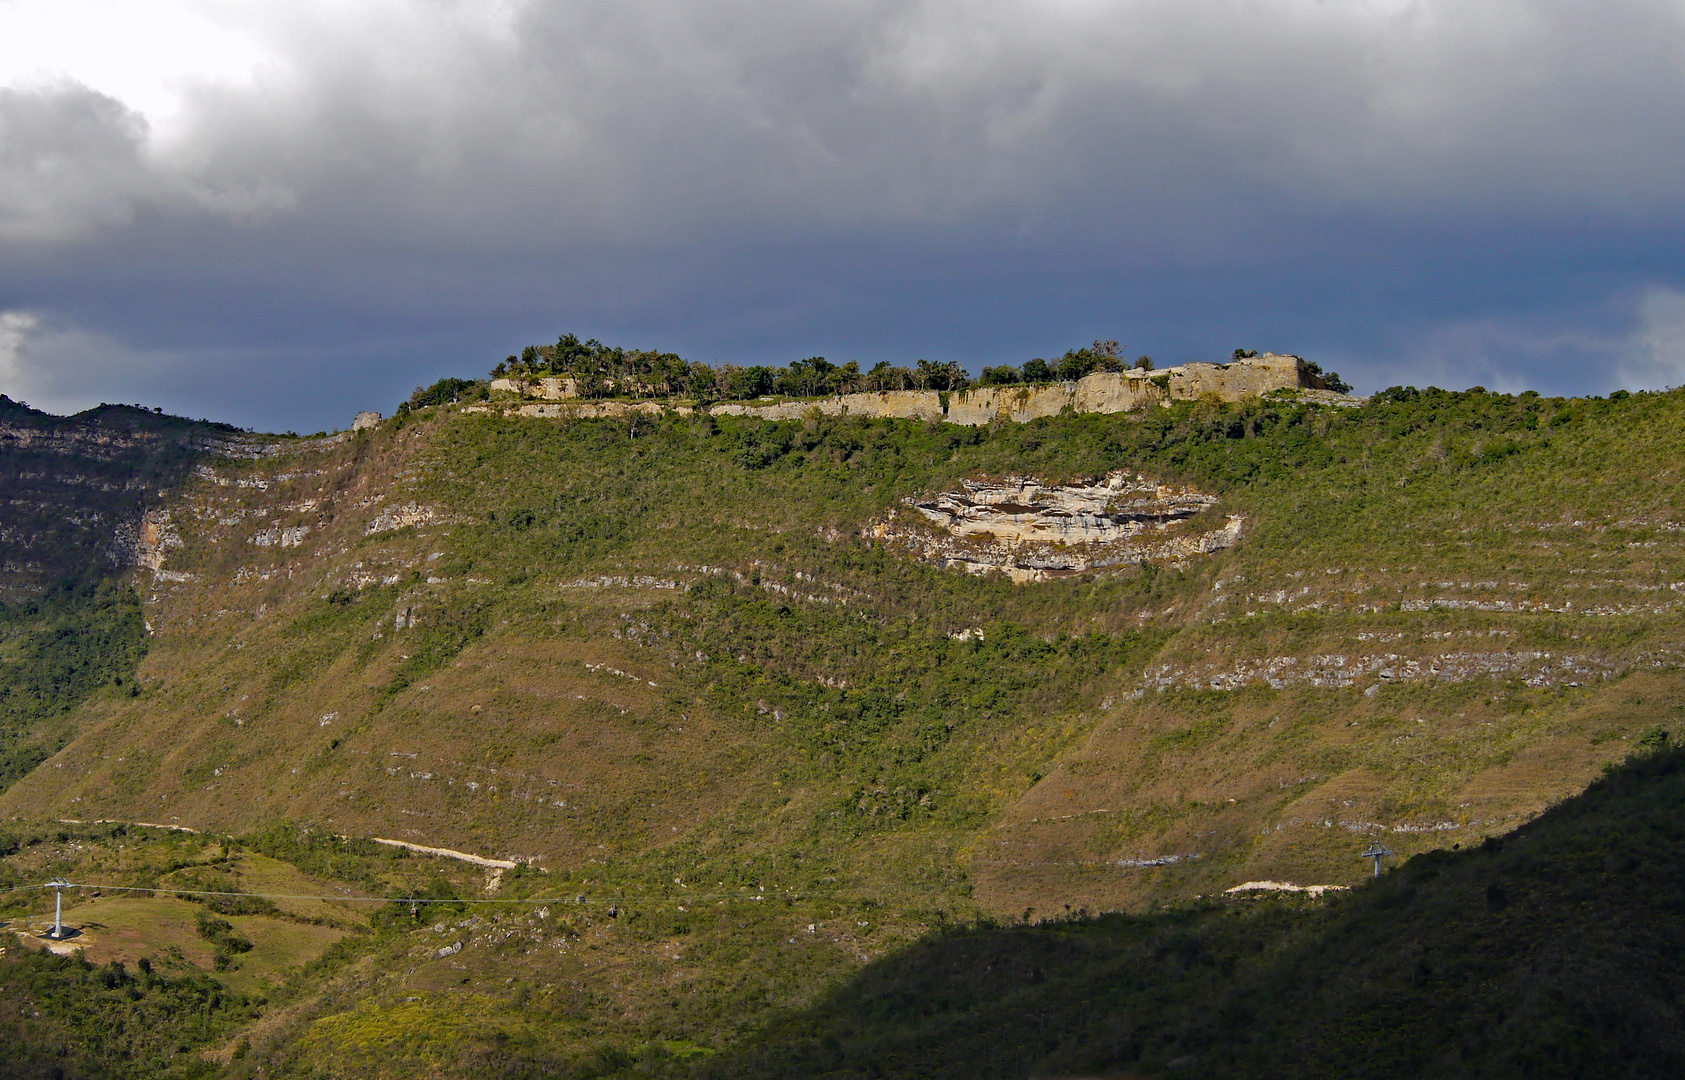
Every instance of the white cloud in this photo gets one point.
(1632, 340)
(64, 368)
(149, 55)
(14, 331)
(1653, 356)
(52, 366)
(1509, 354)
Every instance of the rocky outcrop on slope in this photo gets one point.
(1126, 391)
(1374, 671)
(548, 389)
(112, 432)
(1032, 531)
(581, 409)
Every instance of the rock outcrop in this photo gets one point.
(1106, 392)
(77, 492)
(1032, 531)
(154, 539)
(1126, 391)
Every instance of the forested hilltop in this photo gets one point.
(593, 370)
(601, 370)
(847, 747)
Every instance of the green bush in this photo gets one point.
(444, 392)
(221, 933)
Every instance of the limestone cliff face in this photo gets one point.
(580, 409)
(108, 438)
(77, 492)
(1032, 531)
(1126, 391)
(154, 539)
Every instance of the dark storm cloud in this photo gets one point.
(1412, 191)
(71, 161)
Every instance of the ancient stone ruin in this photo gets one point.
(1103, 392)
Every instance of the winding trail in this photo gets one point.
(419, 849)
(448, 853)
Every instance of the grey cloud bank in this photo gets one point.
(1408, 191)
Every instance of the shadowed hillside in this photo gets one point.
(74, 490)
(1552, 951)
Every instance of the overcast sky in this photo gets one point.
(278, 214)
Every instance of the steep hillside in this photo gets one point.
(75, 498)
(1441, 613)
(659, 657)
(57, 650)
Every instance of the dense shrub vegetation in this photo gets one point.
(63, 1017)
(54, 652)
(443, 392)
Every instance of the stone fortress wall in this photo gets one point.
(1103, 392)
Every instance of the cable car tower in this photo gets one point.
(58, 885)
(1377, 851)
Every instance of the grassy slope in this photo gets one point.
(815, 732)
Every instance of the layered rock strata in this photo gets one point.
(1032, 531)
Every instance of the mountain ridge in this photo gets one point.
(634, 655)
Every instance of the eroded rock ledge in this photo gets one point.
(1032, 531)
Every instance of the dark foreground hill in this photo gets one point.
(1557, 950)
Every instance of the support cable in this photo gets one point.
(580, 899)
